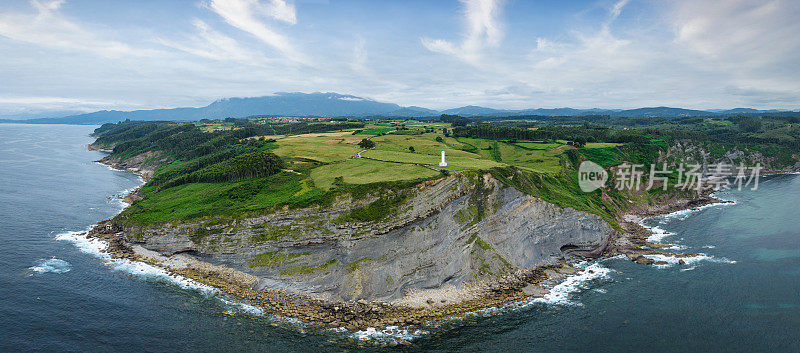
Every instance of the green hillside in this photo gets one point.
(239, 167)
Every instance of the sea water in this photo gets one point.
(60, 294)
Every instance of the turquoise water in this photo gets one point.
(60, 297)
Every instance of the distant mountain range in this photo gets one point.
(38, 114)
(342, 105)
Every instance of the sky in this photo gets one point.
(82, 55)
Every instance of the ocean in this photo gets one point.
(60, 294)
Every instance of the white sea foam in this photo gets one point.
(121, 197)
(95, 247)
(560, 294)
(682, 214)
(688, 268)
(672, 260)
(391, 333)
(615, 257)
(51, 266)
(658, 234)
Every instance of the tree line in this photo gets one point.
(580, 134)
(217, 156)
(251, 165)
(186, 140)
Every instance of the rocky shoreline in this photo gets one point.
(362, 314)
(351, 315)
(634, 245)
(354, 315)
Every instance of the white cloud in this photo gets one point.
(31, 106)
(249, 16)
(616, 10)
(483, 29)
(360, 58)
(755, 43)
(48, 27)
(280, 10)
(48, 6)
(354, 99)
(698, 54)
(211, 44)
(46, 100)
(740, 32)
(585, 61)
(689, 53)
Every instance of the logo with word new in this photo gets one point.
(591, 176)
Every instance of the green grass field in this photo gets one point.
(601, 144)
(317, 164)
(318, 168)
(544, 159)
(365, 171)
(196, 200)
(537, 145)
(377, 131)
(322, 147)
(468, 162)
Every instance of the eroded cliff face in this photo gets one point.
(143, 164)
(454, 231)
(690, 152)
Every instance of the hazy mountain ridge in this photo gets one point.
(343, 105)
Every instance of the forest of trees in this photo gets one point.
(187, 141)
(581, 134)
(780, 131)
(250, 165)
(454, 120)
(217, 156)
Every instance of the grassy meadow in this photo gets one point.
(321, 164)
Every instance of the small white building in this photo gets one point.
(443, 163)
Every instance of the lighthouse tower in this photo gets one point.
(443, 163)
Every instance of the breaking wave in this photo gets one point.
(658, 234)
(51, 266)
(390, 334)
(96, 247)
(560, 294)
(672, 260)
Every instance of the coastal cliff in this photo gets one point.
(454, 231)
(446, 246)
(306, 238)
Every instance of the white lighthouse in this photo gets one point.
(443, 163)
